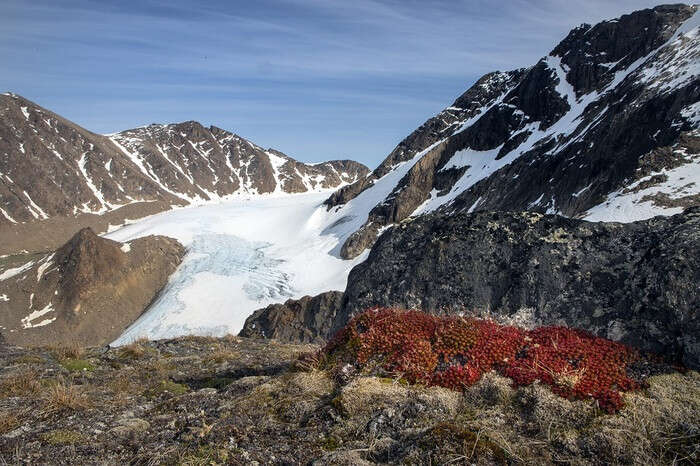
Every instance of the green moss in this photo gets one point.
(215, 382)
(63, 437)
(330, 443)
(77, 365)
(168, 386)
(390, 381)
(337, 403)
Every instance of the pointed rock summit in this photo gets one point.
(87, 291)
(579, 133)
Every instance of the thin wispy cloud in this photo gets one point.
(317, 79)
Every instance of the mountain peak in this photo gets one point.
(53, 168)
(593, 54)
(573, 134)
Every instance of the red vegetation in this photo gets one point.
(455, 352)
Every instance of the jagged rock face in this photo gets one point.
(84, 260)
(570, 135)
(202, 164)
(635, 282)
(589, 50)
(51, 167)
(484, 92)
(88, 291)
(306, 320)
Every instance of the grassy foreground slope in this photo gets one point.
(233, 400)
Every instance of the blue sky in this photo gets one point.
(316, 79)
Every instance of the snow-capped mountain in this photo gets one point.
(51, 167)
(605, 127)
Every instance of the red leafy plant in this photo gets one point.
(454, 352)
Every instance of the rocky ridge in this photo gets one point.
(52, 169)
(578, 134)
(305, 320)
(87, 291)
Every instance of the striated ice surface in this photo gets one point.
(214, 264)
(242, 255)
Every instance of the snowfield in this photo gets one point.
(242, 254)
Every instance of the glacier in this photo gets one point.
(242, 254)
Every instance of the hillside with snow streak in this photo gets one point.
(51, 167)
(605, 127)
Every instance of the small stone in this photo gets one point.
(129, 427)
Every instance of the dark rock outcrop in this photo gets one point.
(563, 136)
(637, 283)
(86, 292)
(306, 320)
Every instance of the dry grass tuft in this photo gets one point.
(71, 350)
(221, 354)
(8, 422)
(231, 338)
(60, 397)
(23, 382)
(123, 385)
(307, 362)
(492, 389)
(315, 384)
(366, 395)
(134, 350)
(198, 339)
(661, 426)
(156, 369)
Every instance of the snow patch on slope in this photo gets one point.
(692, 114)
(27, 321)
(7, 216)
(96, 192)
(563, 87)
(276, 162)
(137, 159)
(13, 272)
(34, 209)
(679, 64)
(45, 264)
(481, 165)
(630, 205)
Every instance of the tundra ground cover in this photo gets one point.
(455, 352)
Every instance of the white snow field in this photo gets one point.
(242, 254)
